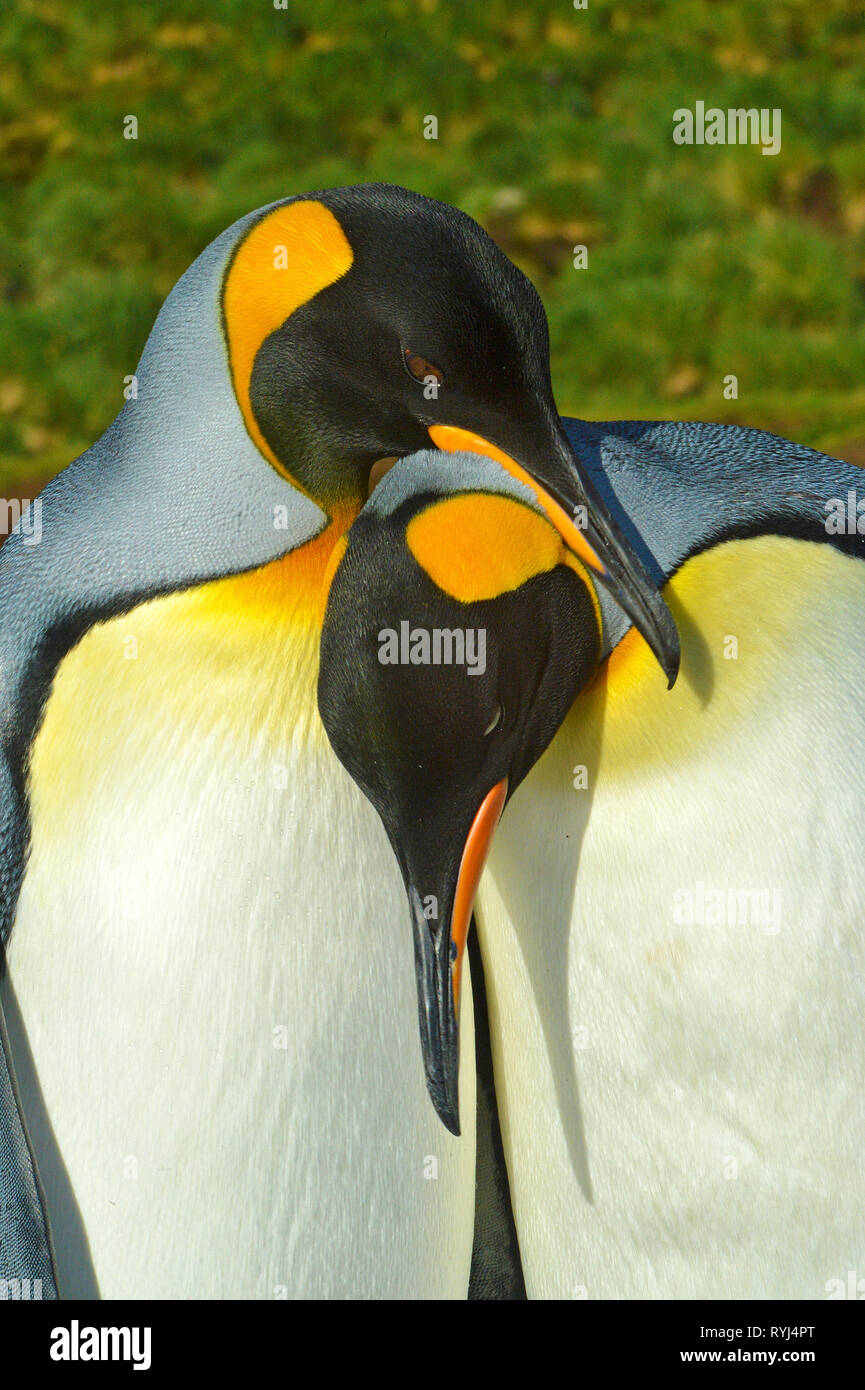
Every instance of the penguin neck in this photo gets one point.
(192, 653)
(289, 592)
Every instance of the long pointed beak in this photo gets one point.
(439, 944)
(562, 487)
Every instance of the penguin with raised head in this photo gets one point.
(671, 917)
(188, 881)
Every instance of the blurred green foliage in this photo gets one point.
(555, 128)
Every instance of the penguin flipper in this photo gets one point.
(26, 1263)
(678, 489)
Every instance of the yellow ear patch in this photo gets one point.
(478, 545)
(287, 257)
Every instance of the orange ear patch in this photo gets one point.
(451, 438)
(286, 258)
(478, 545)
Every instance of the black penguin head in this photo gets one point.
(430, 324)
(364, 323)
(457, 632)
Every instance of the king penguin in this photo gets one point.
(458, 630)
(671, 917)
(204, 980)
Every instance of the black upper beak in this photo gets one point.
(437, 1011)
(623, 573)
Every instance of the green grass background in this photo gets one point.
(555, 127)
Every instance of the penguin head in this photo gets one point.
(458, 629)
(366, 323)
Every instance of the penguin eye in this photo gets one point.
(495, 721)
(419, 368)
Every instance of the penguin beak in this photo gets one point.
(561, 487)
(439, 945)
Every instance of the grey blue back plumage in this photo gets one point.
(677, 489)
